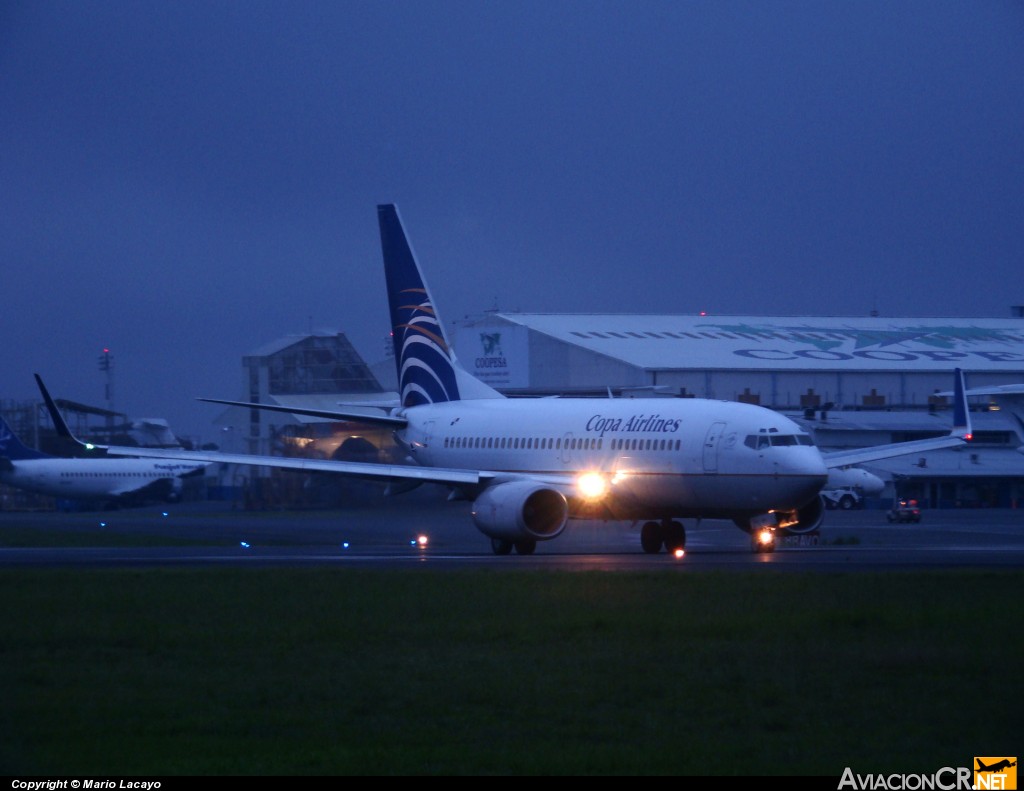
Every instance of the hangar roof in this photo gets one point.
(667, 342)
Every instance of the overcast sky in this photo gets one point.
(183, 182)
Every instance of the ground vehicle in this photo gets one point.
(904, 511)
(844, 498)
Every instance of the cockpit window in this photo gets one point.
(759, 441)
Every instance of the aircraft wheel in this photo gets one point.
(675, 536)
(526, 546)
(500, 546)
(651, 537)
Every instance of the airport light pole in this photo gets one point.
(106, 361)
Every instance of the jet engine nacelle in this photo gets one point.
(521, 510)
(806, 519)
(855, 476)
(803, 520)
(175, 487)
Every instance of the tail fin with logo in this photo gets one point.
(13, 449)
(428, 371)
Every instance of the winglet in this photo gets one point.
(961, 414)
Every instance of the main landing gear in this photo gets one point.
(501, 546)
(667, 533)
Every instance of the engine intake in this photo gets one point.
(521, 510)
(803, 520)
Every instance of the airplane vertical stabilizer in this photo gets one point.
(13, 448)
(63, 429)
(428, 372)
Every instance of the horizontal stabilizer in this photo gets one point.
(326, 414)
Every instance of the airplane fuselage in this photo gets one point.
(663, 457)
(93, 478)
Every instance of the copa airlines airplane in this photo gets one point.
(531, 465)
(113, 481)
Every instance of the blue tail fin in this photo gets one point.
(428, 372)
(74, 445)
(13, 448)
(63, 430)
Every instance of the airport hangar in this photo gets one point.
(850, 381)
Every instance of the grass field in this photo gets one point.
(337, 671)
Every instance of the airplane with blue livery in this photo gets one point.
(95, 476)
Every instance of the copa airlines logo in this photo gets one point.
(903, 344)
(635, 423)
(425, 374)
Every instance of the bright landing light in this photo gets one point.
(592, 485)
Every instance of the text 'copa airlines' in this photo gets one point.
(654, 423)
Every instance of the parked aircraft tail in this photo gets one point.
(63, 429)
(428, 371)
(13, 449)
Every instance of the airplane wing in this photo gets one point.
(363, 469)
(844, 458)
(957, 437)
(327, 414)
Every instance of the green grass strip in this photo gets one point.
(340, 671)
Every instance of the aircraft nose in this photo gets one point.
(810, 467)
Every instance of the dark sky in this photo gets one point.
(183, 182)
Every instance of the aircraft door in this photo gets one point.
(421, 445)
(711, 440)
